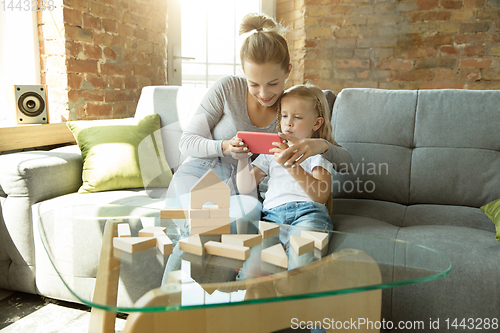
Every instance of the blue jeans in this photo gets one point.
(303, 214)
(307, 214)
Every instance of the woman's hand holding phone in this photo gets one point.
(237, 148)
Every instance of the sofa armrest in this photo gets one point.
(41, 175)
(25, 179)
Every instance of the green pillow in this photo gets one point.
(121, 153)
(492, 210)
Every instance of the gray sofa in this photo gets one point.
(424, 162)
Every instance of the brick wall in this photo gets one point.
(391, 44)
(97, 55)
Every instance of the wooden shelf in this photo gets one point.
(29, 136)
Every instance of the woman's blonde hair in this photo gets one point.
(266, 43)
(314, 94)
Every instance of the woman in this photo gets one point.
(243, 104)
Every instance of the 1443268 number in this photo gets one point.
(472, 323)
(27, 5)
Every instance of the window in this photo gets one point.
(209, 38)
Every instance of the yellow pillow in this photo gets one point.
(492, 210)
(121, 153)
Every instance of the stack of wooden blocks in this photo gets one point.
(238, 246)
(276, 254)
(205, 219)
(148, 238)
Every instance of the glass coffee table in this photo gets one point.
(188, 292)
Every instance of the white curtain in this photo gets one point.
(19, 56)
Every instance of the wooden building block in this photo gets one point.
(199, 214)
(275, 255)
(268, 229)
(227, 250)
(301, 245)
(163, 243)
(214, 211)
(207, 222)
(124, 230)
(200, 197)
(174, 213)
(150, 231)
(211, 230)
(209, 188)
(242, 240)
(320, 238)
(133, 244)
(191, 244)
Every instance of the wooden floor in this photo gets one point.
(22, 312)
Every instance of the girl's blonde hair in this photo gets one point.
(266, 43)
(314, 94)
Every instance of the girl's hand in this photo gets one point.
(302, 149)
(235, 145)
(280, 147)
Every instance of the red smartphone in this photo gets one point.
(259, 143)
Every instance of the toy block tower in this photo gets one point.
(213, 219)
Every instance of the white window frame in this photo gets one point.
(174, 56)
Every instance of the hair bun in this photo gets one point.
(259, 23)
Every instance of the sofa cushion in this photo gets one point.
(126, 197)
(457, 143)
(407, 216)
(379, 172)
(376, 126)
(471, 288)
(460, 216)
(384, 211)
(364, 225)
(460, 176)
(457, 118)
(385, 117)
(121, 153)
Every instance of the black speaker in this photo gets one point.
(31, 104)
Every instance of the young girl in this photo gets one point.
(296, 193)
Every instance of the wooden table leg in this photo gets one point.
(106, 287)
